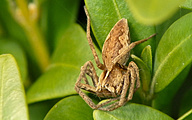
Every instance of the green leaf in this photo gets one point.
(11, 47)
(173, 53)
(186, 116)
(144, 73)
(153, 11)
(165, 99)
(70, 108)
(187, 4)
(161, 28)
(146, 56)
(12, 95)
(12, 29)
(38, 111)
(73, 49)
(104, 15)
(186, 105)
(59, 80)
(58, 22)
(131, 111)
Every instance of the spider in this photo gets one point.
(116, 80)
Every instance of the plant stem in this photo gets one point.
(22, 4)
(151, 92)
(185, 115)
(146, 97)
(39, 48)
(34, 35)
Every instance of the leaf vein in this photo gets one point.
(164, 61)
(118, 12)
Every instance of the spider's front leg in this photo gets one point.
(88, 69)
(130, 47)
(90, 41)
(131, 82)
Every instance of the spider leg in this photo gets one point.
(131, 77)
(131, 46)
(110, 107)
(90, 41)
(134, 72)
(100, 105)
(85, 97)
(88, 66)
(123, 98)
(89, 69)
(137, 77)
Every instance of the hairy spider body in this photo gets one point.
(110, 84)
(116, 79)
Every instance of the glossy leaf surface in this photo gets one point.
(173, 53)
(146, 56)
(59, 80)
(12, 95)
(185, 112)
(38, 111)
(104, 15)
(10, 47)
(144, 73)
(165, 99)
(131, 112)
(70, 108)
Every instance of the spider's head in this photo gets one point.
(110, 82)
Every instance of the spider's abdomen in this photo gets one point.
(117, 39)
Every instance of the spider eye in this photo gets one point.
(107, 85)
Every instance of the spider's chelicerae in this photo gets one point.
(116, 79)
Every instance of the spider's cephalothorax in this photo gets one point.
(116, 79)
(110, 82)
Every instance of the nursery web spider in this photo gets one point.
(116, 79)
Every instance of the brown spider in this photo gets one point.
(116, 77)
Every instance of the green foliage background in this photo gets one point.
(43, 46)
